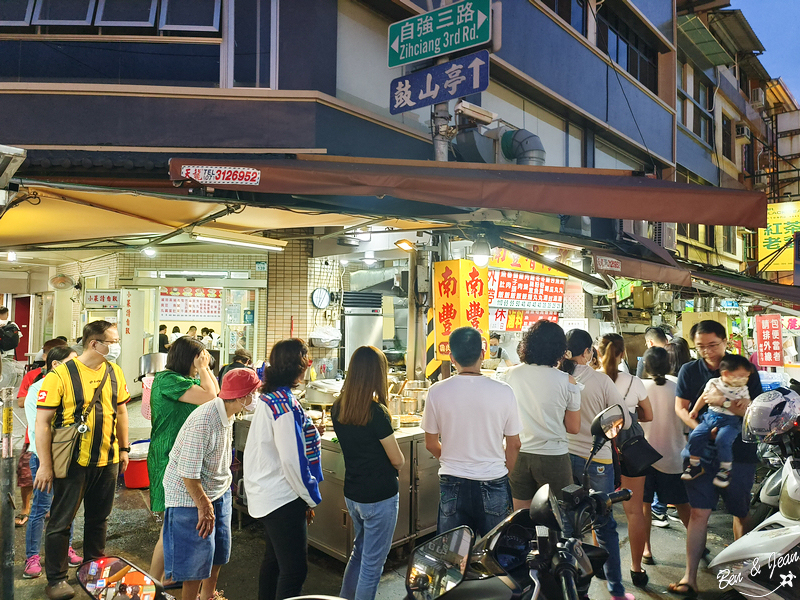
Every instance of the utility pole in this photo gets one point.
(7, 494)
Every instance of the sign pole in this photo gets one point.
(7, 494)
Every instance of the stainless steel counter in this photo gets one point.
(332, 530)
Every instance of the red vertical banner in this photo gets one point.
(460, 298)
(769, 340)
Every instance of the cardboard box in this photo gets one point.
(643, 297)
(690, 318)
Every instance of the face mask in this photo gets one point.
(251, 405)
(494, 350)
(114, 351)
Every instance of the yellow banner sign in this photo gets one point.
(460, 299)
(504, 259)
(783, 219)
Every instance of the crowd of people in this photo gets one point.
(497, 443)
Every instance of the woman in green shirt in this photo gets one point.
(186, 383)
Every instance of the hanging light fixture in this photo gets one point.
(481, 251)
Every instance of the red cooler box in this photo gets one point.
(136, 476)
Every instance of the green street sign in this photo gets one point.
(459, 26)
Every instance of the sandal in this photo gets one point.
(639, 578)
(20, 520)
(682, 589)
(648, 560)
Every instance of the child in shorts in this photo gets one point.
(734, 373)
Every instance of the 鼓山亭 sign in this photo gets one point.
(460, 298)
(769, 340)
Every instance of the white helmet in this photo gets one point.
(770, 415)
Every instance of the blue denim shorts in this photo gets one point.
(189, 557)
(704, 494)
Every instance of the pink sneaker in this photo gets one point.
(74, 559)
(627, 596)
(33, 567)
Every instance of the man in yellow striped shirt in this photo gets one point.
(101, 452)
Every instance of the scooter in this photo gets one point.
(765, 563)
(767, 493)
(112, 577)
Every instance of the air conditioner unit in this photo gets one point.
(632, 226)
(666, 235)
(757, 98)
(743, 131)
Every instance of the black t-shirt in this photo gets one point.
(369, 475)
(163, 340)
(692, 381)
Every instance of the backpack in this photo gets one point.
(9, 336)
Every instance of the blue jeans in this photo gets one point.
(481, 505)
(729, 427)
(601, 479)
(658, 507)
(373, 525)
(39, 507)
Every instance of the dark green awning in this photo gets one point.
(703, 47)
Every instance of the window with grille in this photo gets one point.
(627, 49)
(571, 11)
(727, 137)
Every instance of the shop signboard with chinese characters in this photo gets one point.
(191, 304)
(461, 299)
(510, 261)
(442, 83)
(783, 220)
(525, 291)
(101, 299)
(769, 340)
(446, 30)
(502, 319)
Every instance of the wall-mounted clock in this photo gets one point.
(320, 298)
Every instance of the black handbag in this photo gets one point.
(636, 455)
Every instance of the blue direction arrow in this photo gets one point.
(460, 77)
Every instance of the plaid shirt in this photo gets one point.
(202, 451)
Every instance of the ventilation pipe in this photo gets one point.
(523, 146)
(519, 145)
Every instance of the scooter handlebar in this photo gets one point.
(620, 496)
(568, 587)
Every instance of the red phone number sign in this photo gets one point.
(211, 175)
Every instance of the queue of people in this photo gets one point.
(497, 442)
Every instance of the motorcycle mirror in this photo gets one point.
(608, 423)
(439, 564)
(544, 509)
(112, 575)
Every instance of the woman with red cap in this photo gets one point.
(197, 482)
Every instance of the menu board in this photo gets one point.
(513, 289)
(769, 340)
(191, 304)
(501, 319)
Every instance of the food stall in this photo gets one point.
(332, 530)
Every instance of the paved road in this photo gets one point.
(133, 532)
